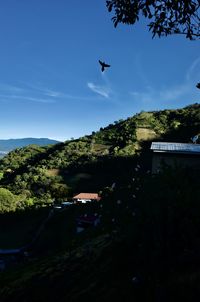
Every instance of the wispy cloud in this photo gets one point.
(149, 94)
(53, 94)
(173, 93)
(57, 95)
(193, 72)
(10, 88)
(10, 92)
(101, 90)
(37, 88)
(41, 94)
(34, 99)
(7, 97)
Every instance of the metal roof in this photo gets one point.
(175, 147)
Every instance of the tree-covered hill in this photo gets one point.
(147, 245)
(42, 175)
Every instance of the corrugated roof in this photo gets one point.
(175, 147)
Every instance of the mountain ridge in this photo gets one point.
(13, 143)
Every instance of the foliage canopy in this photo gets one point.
(166, 17)
(41, 175)
(7, 200)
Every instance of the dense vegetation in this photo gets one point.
(165, 17)
(147, 245)
(41, 175)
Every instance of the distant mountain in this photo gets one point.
(7, 145)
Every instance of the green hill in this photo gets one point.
(147, 245)
(92, 162)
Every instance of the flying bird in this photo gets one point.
(103, 65)
(198, 85)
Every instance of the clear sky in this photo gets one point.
(51, 84)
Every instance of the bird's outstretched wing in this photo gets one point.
(198, 85)
(103, 65)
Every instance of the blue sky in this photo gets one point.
(51, 84)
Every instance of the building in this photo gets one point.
(175, 155)
(86, 197)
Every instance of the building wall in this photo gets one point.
(174, 160)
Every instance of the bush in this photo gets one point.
(8, 201)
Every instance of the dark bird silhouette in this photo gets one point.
(103, 65)
(198, 85)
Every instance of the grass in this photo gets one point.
(53, 172)
(144, 134)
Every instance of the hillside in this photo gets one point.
(147, 245)
(92, 162)
(145, 249)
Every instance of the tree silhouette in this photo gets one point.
(166, 17)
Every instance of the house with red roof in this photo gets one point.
(86, 197)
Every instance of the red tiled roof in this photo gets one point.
(87, 196)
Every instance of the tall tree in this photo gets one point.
(166, 16)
